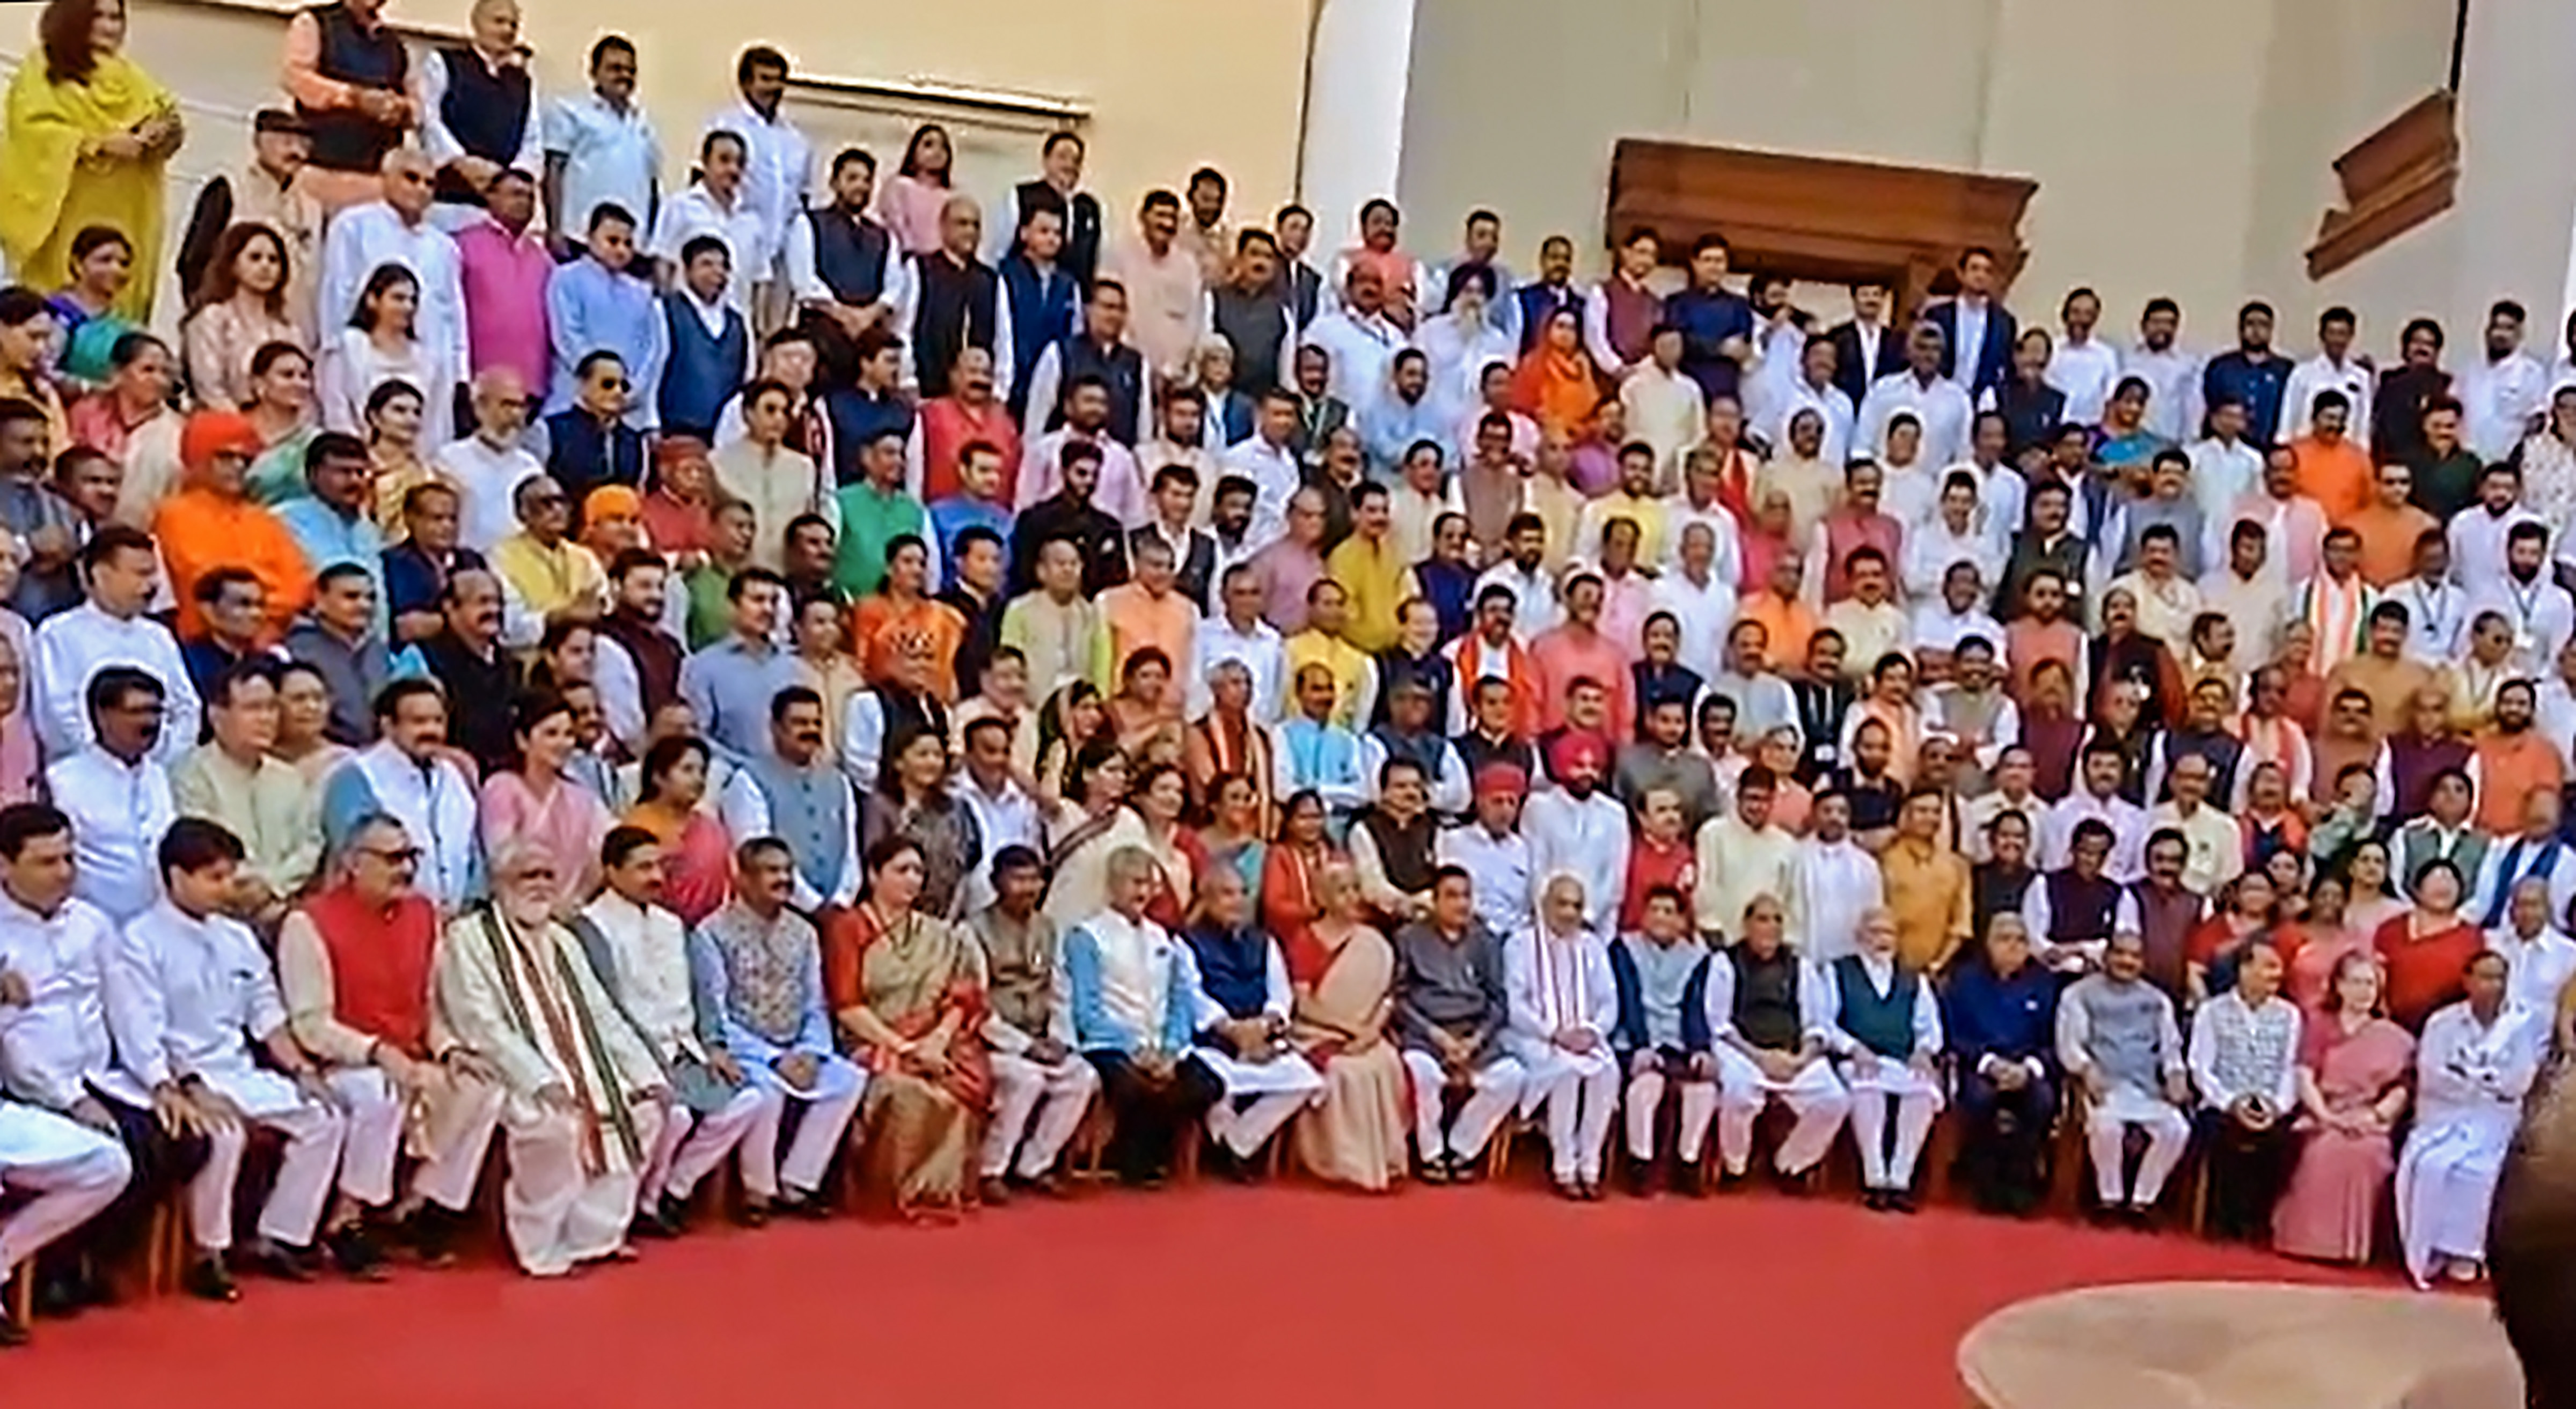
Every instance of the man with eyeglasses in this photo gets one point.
(583, 1098)
(591, 442)
(353, 962)
(396, 230)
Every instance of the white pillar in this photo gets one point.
(2517, 194)
(1356, 80)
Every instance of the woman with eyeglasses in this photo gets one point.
(539, 805)
(382, 344)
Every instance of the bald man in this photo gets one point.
(955, 301)
(395, 229)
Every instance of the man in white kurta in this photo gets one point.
(2472, 1068)
(641, 953)
(371, 935)
(188, 991)
(1580, 830)
(396, 230)
(123, 571)
(69, 1173)
(2539, 957)
(1492, 851)
(1885, 1034)
(1832, 884)
(2120, 1045)
(1245, 997)
(1562, 1003)
(1768, 1012)
(117, 793)
(584, 1096)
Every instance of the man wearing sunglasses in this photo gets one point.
(590, 442)
(354, 962)
(396, 230)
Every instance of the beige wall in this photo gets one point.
(1165, 85)
(2181, 147)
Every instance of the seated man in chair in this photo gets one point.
(1449, 1017)
(1769, 1046)
(1663, 1038)
(2120, 1046)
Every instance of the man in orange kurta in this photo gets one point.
(2389, 528)
(2332, 470)
(2514, 761)
(213, 523)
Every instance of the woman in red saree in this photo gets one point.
(1555, 385)
(2248, 912)
(1289, 903)
(697, 858)
(908, 994)
(2426, 951)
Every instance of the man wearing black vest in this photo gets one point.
(1249, 314)
(2070, 911)
(842, 264)
(350, 77)
(1057, 189)
(1097, 350)
(1299, 283)
(956, 302)
(479, 110)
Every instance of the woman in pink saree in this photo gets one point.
(2353, 1066)
(697, 858)
(1343, 972)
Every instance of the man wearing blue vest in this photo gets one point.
(842, 265)
(1664, 1039)
(1041, 292)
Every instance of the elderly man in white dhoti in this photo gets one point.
(1562, 1002)
(187, 993)
(1885, 1031)
(2472, 1068)
(584, 1105)
(1769, 1012)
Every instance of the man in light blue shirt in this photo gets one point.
(600, 148)
(731, 683)
(599, 303)
(1401, 415)
(335, 523)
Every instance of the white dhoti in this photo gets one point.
(1915, 1098)
(1579, 1092)
(2446, 1179)
(693, 1144)
(561, 1213)
(1646, 1099)
(829, 1104)
(2106, 1133)
(1054, 1095)
(71, 1170)
(1815, 1098)
(305, 1172)
(1259, 1097)
(1493, 1089)
(448, 1129)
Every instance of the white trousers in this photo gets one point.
(1244, 1129)
(829, 1105)
(1493, 1091)
(1056, 1096)
(692, 1145)
(453, 1134)
(1882, 1167)
(1815, 1098)
(559, 1213)
(1646, 1099)
(1579, 1106)
(304, 1177)
(2106, 1129)
(72, 1171)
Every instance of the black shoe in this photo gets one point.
(674, 1211)
(207, 1279)
(1434, 1170)
(651, 1227)
(1691, 1178)
(1641, 1179)
(354, 1252)
(1049, 1185)
(1463, 1170)
(286, 1264)
(755, 1214)
(431, 1231)
(1876, 1200)
(994, 1191)
(1902, 1200)
(809, 1207)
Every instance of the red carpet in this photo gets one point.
(1182, 1300)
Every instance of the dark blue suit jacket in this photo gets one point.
(1993, 361)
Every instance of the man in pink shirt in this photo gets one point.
(1577, 650)
(1854, 524)
(1288, 568)
(505, 270)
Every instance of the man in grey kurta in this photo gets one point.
(1449, 1014)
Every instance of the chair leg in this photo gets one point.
(22, 1294)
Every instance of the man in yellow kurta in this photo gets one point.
(1323, 643)
(1373, 573)
(1926, 885)
(552, 575)
(82, 144)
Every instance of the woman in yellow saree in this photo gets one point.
(85, 141)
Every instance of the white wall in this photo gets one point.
(1357, 78)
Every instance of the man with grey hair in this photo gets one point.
(1137, 1005)
(395, 229)
(354, 963)
(583, 1098)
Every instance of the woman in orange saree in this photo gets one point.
(907, 992)
(697, 858)
(1289, 902)
(1555, 385)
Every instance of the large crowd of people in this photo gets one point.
(820, 671)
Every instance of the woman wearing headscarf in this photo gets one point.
(86, 139)
(1556, 384)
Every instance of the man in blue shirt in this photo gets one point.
(2253, 375)
(1716, 323)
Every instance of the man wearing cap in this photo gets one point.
(212, 523)
(269, 191)
(1492, 851)
(1579, 829)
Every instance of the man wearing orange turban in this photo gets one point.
(212, 523)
